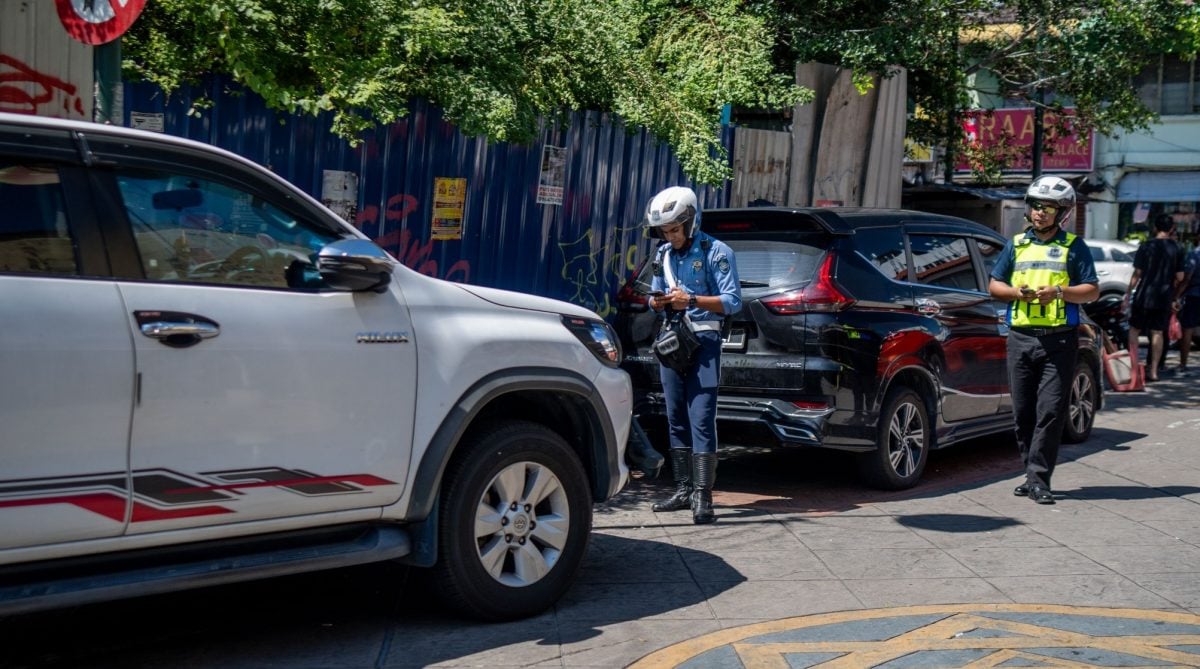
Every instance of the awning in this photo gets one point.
(1159, 187)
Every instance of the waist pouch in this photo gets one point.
(676, 345)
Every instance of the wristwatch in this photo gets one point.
(1058, 289)
(691, 301)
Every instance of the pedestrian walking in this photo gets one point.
(1189, 295)
(695, 279)
(1044, 273)
(1157, 272)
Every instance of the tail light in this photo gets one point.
(627, 295)
(822, 294)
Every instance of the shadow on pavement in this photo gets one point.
(375, 615)
(955, 522)
(1122, 492)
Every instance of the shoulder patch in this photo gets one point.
(723, 265)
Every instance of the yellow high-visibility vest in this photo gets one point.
(1038, 265)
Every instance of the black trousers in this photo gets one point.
(1040, 370)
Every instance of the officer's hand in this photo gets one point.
(678, 297)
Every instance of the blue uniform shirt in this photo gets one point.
(701, 272)
(1080, 267)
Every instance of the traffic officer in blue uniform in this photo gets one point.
(1044, 273)
(696, 273)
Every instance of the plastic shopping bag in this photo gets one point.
(1174, 330)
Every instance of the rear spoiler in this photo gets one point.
(774, 219)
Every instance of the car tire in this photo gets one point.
(902, 443)
(1082, 397)
(516, 513)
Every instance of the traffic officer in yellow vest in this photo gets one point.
(1044, 273)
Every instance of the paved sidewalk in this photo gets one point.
(797, 536)
(1124, 533)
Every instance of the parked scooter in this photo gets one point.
(1108, 312)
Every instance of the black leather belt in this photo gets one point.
(1042, 332)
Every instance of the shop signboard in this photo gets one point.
(1011, 130)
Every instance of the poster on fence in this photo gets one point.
(449, 198)
(554, 175)
(339, 192)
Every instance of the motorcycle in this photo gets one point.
(1108, 313)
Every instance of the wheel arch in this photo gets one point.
(924, 383)
(563, 401)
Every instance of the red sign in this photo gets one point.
(98, 21)
(1013, 128)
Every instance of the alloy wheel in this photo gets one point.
(1081, 407)
(906, 439)
(522, 523)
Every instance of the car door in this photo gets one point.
(261, 393)
(66, 362)
(949, 288)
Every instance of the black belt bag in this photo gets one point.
(676, 344)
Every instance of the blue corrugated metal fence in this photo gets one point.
(579, 251)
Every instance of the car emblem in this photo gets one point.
(381, 338)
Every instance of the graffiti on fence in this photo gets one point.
(24, 90)
(402, 243)
(595, 271)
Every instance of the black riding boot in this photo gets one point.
(681, 465)
(704, 474)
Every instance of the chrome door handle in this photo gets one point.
(176, 328)
(164, 329)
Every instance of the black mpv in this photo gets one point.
(863, 330)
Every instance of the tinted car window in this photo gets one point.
(1121, 256)
(768, 264)
(942, 260)
(884, 247)
(34, 237)
(1097, 254)
(194, 230)
(990, 252)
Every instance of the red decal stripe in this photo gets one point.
(142, 513)
(107, 504)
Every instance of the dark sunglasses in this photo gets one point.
(1042, 206)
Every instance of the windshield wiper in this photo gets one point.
(753, 284)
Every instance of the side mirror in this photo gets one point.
(355, 265)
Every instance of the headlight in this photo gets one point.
(597, 336)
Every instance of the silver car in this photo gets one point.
(1114, 264)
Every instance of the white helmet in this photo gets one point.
(676, 204)
(1055, 192)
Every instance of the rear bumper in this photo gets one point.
(790, 425)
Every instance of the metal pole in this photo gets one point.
(1038, 132)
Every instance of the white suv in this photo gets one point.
(208, 377)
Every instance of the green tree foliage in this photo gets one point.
(1042, 52)
(495, 66)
